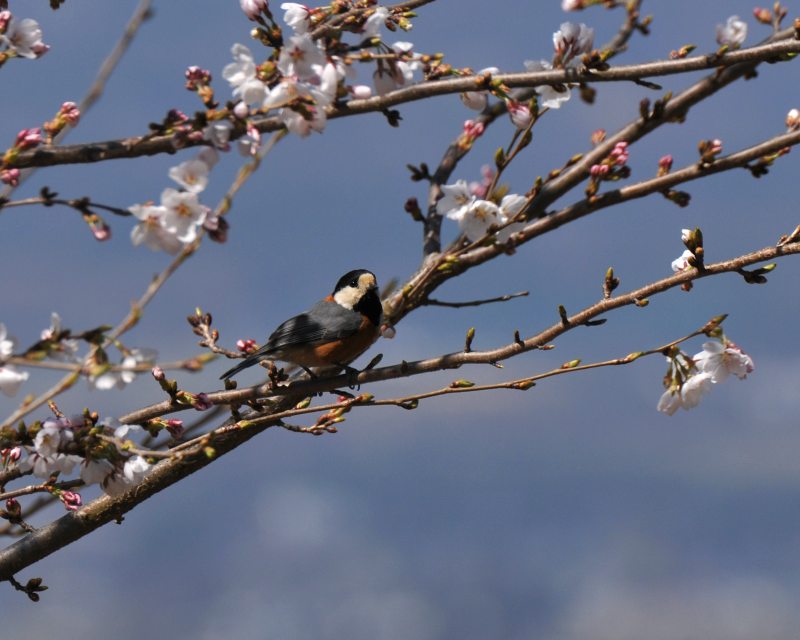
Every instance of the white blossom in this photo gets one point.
(6, 343)
(456, 198)
(134, 471)
(571, 5)
(732, 33)
(510, 206)
(184, 214)
(301, 57)
(719, 360)
(373, 24)
(192, 175)
(252, 8)
(25, 38)
(95, 471)
(218, 133)
(572, 40)
(126, 431)
(550, 97)
(520, 114)
(11, 379)
(51, 437)
(241, 75)
(66, 348)
(477, 100)
(681, 263)
(126, 374)
(688, 396)
(296, 16)
(475, 219)
(393, 74)
(151, 230)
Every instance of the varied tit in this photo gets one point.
(335, 331)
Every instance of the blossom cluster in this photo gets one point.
(177, 220)
(305, 79)
(688, 380)
(56, 343)
(60, 446)
(477, 216)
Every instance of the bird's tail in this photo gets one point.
(249, 361)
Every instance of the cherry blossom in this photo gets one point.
(393, 74)
(510, 206)
(571, 5)
(456, 198)
(373, 24)
(110, 379)
(184, 214)
(218, 133)
(151, 230)
(6, 343)
(793, 120)
(253, 8)
(301, 57)
(681, 263)
(477, 100)
(687, 396)
(95, 471)
(551, 97)
(11, 379)
(46, 457)
(571, 41)
(476, 218)
(65, 349)
(520, 114)
(25, 38)
(241, 75)
(733, 33)
(720, 359)
(296, 16)
(134, 471)
(192, 175)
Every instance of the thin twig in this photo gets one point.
(473, 303)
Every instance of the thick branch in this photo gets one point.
(743, 61)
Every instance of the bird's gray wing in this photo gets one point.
(324, 322)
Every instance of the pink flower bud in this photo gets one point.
(246, 346)
(764, 16)
(70, 112)
(10, 176)
(520, 114)
(29, 138)
(175, 427)
(71, 500)
(473, 129)
(197, 77)
(13, 507)
(5, 18)
(665, 163)
(201, 402)
(599, 170)
(158, 374)
(793, 120)
(253, 8)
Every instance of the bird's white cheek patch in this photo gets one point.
(346, 297)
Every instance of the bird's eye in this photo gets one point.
(354, 282)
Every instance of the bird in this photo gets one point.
(335, 331)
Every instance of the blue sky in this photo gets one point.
(573, 510)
